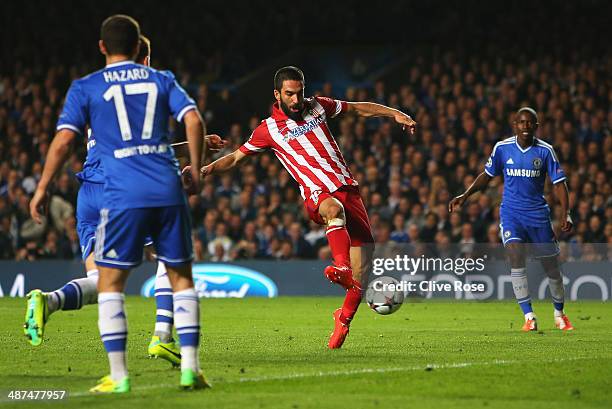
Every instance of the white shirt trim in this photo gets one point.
(519, 146)
(252, 147)
(188, 108)
(561, 179)
(507, 141)
(549, 147)
(68, 126)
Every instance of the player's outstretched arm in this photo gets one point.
(195, 130)
(370, 109)
(224, 164)
(56, 157)
(213, 143)
(479, 184)
(562, 194)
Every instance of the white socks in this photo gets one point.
(521, 291)
(187, 322)
(557, 293)
(113, 330)
(74, 294)
(164, 319)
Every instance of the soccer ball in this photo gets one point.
(382, 297)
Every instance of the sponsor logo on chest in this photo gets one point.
(289, 134)
(535, 172)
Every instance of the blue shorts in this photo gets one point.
(541, 238)
(89, 204)
(122, 233)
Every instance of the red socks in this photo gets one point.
(339, 244)
(351, 303)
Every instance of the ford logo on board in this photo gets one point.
(224, 281)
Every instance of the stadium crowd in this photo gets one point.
(463, 103)
(463, 107)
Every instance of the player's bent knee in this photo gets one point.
(90, 264)
(514, 253)
(180, 277)
(551, 266)
(111, 279)
(334, 212)
(336, 222)
(514, 250)
(331, 208)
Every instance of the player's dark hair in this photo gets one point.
(289, 73)
(120, 35)
(144, 50)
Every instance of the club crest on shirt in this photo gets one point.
(507, 233)
(537, 163)
(314, 196)
(489, 162)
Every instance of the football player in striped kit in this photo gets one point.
(298, 134)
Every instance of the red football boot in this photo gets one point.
(530, 325)
(341, 330)
(563, 323)
(340, 275)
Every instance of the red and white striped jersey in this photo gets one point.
(307, 148)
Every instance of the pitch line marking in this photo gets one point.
(322, 374)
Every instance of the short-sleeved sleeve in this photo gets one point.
(74, 113)
(494, 166)
(180, 102)
(553, 167)
(258, 142)
(331, 106)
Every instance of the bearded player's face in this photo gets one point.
(291, 99)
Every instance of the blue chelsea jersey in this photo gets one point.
(524, 172)
(127, 106)
(92, 168)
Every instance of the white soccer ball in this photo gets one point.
(383, 297)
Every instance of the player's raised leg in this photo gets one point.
(72, 296)
(360, 255)
(76, 293)
(557, 291)
(332, 212)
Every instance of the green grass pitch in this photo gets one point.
(270, 353)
